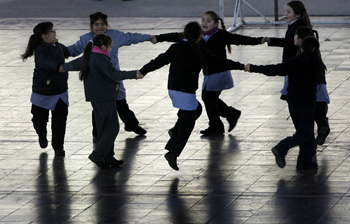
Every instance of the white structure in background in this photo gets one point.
(239, 13)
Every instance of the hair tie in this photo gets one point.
(91, 41)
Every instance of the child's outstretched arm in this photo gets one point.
(158, 62)
(290, 67)
(169, 37)
(238, 39)
(74, 65)
(219, 64)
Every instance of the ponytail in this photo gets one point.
(311, 46)
(33, 42)
(85, 68)
(223, 27)
(35, 38)
(192, 32)
(98, 41)
(299, 9)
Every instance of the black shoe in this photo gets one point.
(233, 118)
(116, 163)
(172, 132)
(281, 162)
(100, 164)
(137, 129)
(60, 152)
(43, 142)
(322, 135)
(211, 132)
(307, 166)
(171, 160)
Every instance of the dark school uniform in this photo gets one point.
(289, 48)
(219, 80)
(101, 89)
(50, 92)
(185, 66)
(301, 98)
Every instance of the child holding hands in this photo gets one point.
(186, 60)
(216, 41)
(101, 89)
(295, 15)
(50, 88)
(304, 72)
(322, 100)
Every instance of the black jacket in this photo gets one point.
(289, 49)
(302, 81)
(46, 78)
(101, 82)
(216, 43)
(186, 64)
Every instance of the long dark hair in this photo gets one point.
(35, 38)
(214, 16)
(98, 41)
(304, 32)
(311, 46)
(96, 16)
(299, 9)
(192, 32)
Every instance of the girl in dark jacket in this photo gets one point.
(186, 59)
(305, 73)
(296, 16)
(50, 88)
(216, 40)
(101, 89)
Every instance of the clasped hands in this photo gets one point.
(247, 68)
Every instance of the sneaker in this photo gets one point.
(211, 132)
(322, 135)
(172, 160)
(281, 162)
(137, 129)
(60, 152)
(232, 119)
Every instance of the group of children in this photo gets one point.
(198, 47)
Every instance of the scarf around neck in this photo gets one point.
(98, 50)
(210, 32)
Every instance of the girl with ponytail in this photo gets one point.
(295, 15)
(101, 89)
(99, 25)
(186, 59)
(303, 71)
(50, 88)
(322, 100)
(216, 40)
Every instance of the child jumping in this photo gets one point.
(305, 73)
(186, 59)
(101, 89)
(216, 40)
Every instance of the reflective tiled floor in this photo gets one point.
(227, 179)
